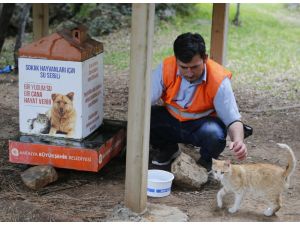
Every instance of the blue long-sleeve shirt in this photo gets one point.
(224, 102)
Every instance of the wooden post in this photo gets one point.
(137, 156)
(40, 15)
(219, 32)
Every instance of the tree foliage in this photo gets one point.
(100, 18)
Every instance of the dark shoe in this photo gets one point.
(163, 158)
(205, 163)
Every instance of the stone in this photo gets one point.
(39, 176)
(153, 213)
(187, 172)
(163, 213)
(124, 214)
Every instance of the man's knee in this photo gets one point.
(213, 131)
(212, 136)
(213, 140)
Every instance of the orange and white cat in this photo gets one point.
(266, 180)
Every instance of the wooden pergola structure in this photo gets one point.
(142, 32)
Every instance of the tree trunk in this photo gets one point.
(6, 14)
(21, 30)
(236, 21)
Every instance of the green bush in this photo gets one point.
(105, 18)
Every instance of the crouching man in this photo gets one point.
(199, 106)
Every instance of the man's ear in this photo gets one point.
(205, 58)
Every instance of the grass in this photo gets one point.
(264, 51)
(165, 34)
(265, 40)
(6, 55)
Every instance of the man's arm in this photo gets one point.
(227, 110)
(156, 85)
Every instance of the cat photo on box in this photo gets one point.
(266, 180)
(39, 125)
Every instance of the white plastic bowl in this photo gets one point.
(159, 183)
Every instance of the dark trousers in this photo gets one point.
(208, 133)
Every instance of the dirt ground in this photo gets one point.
(87, 196)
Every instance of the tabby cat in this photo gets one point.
(266, 180)
(40, 124)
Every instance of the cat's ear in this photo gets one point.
(227, 163)
(53, 96)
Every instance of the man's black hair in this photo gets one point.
(187, 45)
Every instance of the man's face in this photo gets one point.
(192, 70)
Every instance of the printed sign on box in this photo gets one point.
(61, 98)
(91, 154)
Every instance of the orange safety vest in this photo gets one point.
(202, 103)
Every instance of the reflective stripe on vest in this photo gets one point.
(189, 115)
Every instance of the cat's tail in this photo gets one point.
(291, 162)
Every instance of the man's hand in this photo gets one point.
(237, 146)
(239, 149)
